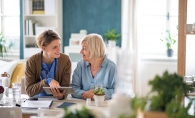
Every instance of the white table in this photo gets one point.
(32, 112)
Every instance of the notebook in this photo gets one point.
(37, 104)
(65, 104)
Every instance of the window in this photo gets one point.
(10, 23)
(153, 18)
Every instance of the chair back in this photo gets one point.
(11, 112)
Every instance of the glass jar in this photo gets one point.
(4, 82)
(193, 28)
(189, 80)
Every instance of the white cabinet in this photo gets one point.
(50, 17)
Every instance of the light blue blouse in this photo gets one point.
(83, 81)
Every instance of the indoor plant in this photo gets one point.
(3, 44)
(99, 95)
(169, 40)
(112, 37)
(78, 113)
(165, 98)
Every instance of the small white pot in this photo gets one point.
(99, 100)
(111, 43)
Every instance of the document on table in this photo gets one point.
(37, 104)
(65, 104)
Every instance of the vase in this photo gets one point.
(99, 100)
(111, 43)
(169, 52)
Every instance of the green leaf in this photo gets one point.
(111, 35)
(168, 39)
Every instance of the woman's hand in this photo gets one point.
(54, 83)
(88, 94)
(56, 93)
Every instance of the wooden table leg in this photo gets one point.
(28, 115)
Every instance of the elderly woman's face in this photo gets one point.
(85, 51)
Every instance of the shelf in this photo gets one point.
(191, 94)
(34, 24)
(32, 36)
(41, 15)
(190, 33)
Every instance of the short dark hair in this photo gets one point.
(46, 37)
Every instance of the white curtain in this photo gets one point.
(129, 36)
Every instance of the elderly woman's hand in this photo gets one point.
(54, 83)
(88, 94)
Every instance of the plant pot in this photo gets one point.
(169, 52)
(99, 100)
(151, 114)
(111, 43)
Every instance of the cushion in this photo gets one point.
(18, 71)
(7, 67)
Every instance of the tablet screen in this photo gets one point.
(68, 90)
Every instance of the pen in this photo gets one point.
(41, 78)
(25, 100)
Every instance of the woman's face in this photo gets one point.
(53, 49)
(85, 51)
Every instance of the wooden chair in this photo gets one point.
(10, 112)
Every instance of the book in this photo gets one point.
(50, 7)
(38, 12)
(37, 104)
(65, 104)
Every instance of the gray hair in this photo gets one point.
(96, 45)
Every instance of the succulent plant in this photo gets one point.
(112, 35)
(98, 90)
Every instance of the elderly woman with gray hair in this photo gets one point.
(95, 69)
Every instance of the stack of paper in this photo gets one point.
(37, 104)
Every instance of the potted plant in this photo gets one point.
(165, 99)
(112, 37)
(170, 40)
(99, 95)
(3, 44)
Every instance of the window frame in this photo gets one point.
(14, 51)
(168, 22)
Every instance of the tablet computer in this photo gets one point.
(69, 90)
